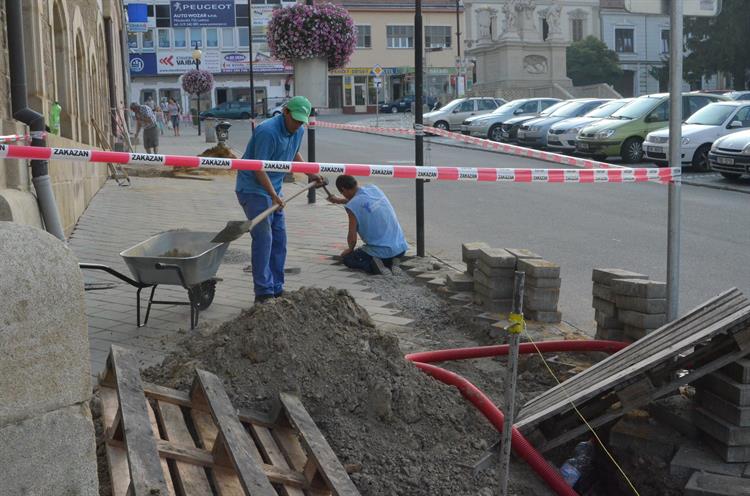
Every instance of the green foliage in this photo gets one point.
(720, 44)
(591, 62)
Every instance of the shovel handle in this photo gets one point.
(262, 216)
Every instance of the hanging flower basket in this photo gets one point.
(312, 31)
(196, 81)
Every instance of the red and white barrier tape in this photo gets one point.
(483, 143)
(664, 175)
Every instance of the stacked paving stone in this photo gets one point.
(723, 412)
(608, 325)
(494, 270)
(641, 306)
(542, 289)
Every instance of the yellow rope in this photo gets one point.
(635, 491)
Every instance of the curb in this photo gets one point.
(717, 186)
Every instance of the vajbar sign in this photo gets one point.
(202, 13)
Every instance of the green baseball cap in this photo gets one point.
(300, 108)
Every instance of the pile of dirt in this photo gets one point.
(411, 434)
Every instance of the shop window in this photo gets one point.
(624, 40)
(364, 38)
(242, 37)
(180, 38)
(212, 37)
(196, 38)
(227, 37)
(148, 39)
(437, 36)
(164, 38)
(132, 40)
(400, 36)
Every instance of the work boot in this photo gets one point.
(279, 294)
(263, 298)
(378, 266)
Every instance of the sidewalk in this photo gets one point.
(120, 217)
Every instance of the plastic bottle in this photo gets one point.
(580, 465)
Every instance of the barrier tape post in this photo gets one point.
(311, 152)
(514, 337)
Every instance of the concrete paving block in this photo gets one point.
(721, 430)
(53, 453)
(722, 408)
(608, 334)
(642, 320)
(607, 321)
(739, 370)
(725, 387)
(499, 291)
(462, 298)
(544, 299)
(459, 281)
(543, 282)
(606, 276)
(437, 283)
(494, 272)
(539, 268)
(730, 454)
(470, 267)
(470, 251)
(549, 317)
(643, 305)
(496, 283)
(497, 258)
(501, 305)
(676, 411)
(644, 437)
(486, 318)
(605, 307)
(705, 484)
(603, 292)
(639, 288)
(521, 253)
(696, 458)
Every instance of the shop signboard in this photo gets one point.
(143, 64)
(237, 62)
(202, 13)
(690, 8)
(181, 61)
(137, 18)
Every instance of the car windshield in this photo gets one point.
(637, 108)
(608, 108)
(451, 104)
(553, 108)
(572, 109)
(713, 114)
(508, 106)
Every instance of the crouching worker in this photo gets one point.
(371, 216)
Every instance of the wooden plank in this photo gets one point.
(232, 441)
(225, 480)
(117, 458)
(191, 479)
(317, 447)
(273, 453)
(146, 476)
(287, 439)
(163, 460)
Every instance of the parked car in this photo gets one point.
(561, 136)
(489, 125)
(509, 129)
(277, 109)
(533, 133)
(699, 132)
(404, 104)
(228, 110)
(738, 95)
(730, 155)
(622, 133)
(450, 116)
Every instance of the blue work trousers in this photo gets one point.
(269, 245)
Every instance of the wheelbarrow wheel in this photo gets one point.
(206, 292)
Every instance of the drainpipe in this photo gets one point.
(35, 120)
(111, 76)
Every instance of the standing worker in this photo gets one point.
(371, 216)
(145, 118)
(278, 138)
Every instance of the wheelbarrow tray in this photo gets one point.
(200, 264)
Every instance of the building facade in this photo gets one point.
(73, 56)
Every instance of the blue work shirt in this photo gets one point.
(271, 141)
(377, 224)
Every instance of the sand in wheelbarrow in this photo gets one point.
(410, 434)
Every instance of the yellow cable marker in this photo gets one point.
(517, 323)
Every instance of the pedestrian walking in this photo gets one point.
(371, 216)
(146, 120)
(278, 138)
(173, 108)
(159, 119)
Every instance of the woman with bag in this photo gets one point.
(174, 115)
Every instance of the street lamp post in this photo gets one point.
(197, 54)
(458, 45)
(418, 127)
(250, 61)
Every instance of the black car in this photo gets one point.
(509, 129)
(404, 104)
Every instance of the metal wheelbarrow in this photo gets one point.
(181, 258)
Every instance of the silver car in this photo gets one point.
(533, 133)
(561, 136)
(454, 113)
(489, 125)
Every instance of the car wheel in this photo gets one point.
(632, 150)
(660, 163)
(731, 175)
(495, 132)
(244, 115)
(700, 159)
(442, 125)
(394, 110)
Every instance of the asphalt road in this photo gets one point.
(578, 226)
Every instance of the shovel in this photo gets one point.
(235, 229)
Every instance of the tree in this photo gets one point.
(591, 62)
(720, 43)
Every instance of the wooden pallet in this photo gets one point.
(706, 339)
(161, 441)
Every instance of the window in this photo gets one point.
(665, 41)
(162, 16)
(743, 116)
(529, 107)
(196, 38)
(132, 40)
(400, 36)
(163, 38)
(548, 103)
(695, 103)
(487, 104)
(180, 38)
(241, 14)
(227, 37)
(364, 38)
(577, 29)
(437, 36)
(212, 37)
(148, 39)
(242, 37)
(660, 113)
(467, 106)
(624, 40)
